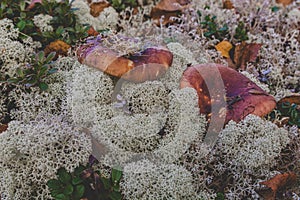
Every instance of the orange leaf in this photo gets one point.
(276, 184)
(92, 32)
(224, 47)
(227, 4)
(284, 2)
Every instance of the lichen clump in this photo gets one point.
(31, 153)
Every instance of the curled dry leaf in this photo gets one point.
(60, 47)
(284, 2)
(149, 64)
(92, 32)
(168, 8)
(295, 98)
(242, 96)
(238, 56)
(32, 4)
(277, 184)
(3, 127)
(227, 4)
(97, 7)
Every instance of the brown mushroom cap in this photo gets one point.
(242, 96)
(149, 64)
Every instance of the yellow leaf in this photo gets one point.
(224, 47)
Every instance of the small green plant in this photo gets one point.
(84, 182)
(64, 21)
(34, 74)
(212, 29)
(241, 32)
(220, 196)
(68, 186)
(292, 111)
(120, 5)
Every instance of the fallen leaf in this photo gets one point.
(92, 32)
(168, 9)
(277, 184)
(97, 7)
(295, 98)
(242, 96)
(60, 47)
(284, 2)
(224, 47)
(3, 127)
(227, 4)
(243, 53)
(32, 4)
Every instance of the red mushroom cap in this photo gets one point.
(242, 96)
(149, 64)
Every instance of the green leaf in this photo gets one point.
(106, 182)
(79, 191)
(44, 86)
(68, 189)
(275, 8)
(23, 15)
(115, 195)
(63, 175)
(50, 57)
(42, 71)
(78, 169)
(41, 56)
(54, 184)
(59, 30)
(21, 25)
(61, 197)
(22, 5)
(116, 174)
(19, 72)
(116, 187)
(76, 180)
(13, 80)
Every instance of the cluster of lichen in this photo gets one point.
(153, 129)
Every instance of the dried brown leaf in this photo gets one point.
(168, 9)
(284, 2)
(277, 184)
(244, 53)
(97, 7)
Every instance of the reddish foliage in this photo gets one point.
(277, 184)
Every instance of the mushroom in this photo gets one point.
(242, 96)
(149, 64)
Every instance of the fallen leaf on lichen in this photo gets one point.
(242, 54)
(97, 7)
(3, 127)
(92, 32)
(276, 185)
(295, 98)
(168, 9)
(60, 47)
(227, 4)
(224, 47)
(284, 2)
